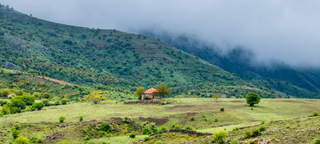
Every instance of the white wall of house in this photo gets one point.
(144, 96)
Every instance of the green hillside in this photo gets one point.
(94, 57)
(83, 55)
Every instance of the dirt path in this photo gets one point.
(58, 81)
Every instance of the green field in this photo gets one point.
(237, 114)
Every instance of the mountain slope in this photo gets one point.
(93, 56)
(299, 82)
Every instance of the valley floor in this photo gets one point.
(206, 113)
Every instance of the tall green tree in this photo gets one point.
(163, 90)
(252, 98)
(139, 92)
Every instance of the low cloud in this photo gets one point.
(286, 30)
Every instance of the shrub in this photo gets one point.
(177, 126)
(132, 135)
(46, 96)
(57, 103)
(86, 138)
(235, 129)
(5, 93)
(63, 102)
(16, 106)
(251, 108)
(256, 132)
(146, 130)
(288, 127)
(235, 142)
(262, 122)
(106, 127)
(11, 96)
(45, 102)
(146, 139)
(315, 113)
(61, 119)
(37, 106)
(247, 134)
(16, 126)
(81, 118)
(215, 120)
(37, 95)
(15, 133)
(163, 128)
(66, 99)
(28, 99)
(40, 141)
(262, 128)
(205, 119)
(159, 142)
(160, 132)
(252, 98)
(20, 93)
(189, 128)
(317, 141)
(251, 142)
(192, 119)
(2, 102)
(222, 109)
(220, 136)
(22, 140)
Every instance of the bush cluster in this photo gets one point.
(37, 106)
(22, 140)
(255, 132)
(61, 119)
(106, 127)
(132, 135)
(219, 137)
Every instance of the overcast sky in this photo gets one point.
(286, 30)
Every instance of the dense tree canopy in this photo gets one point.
(163, 90)
(252, 99)
(139, 92)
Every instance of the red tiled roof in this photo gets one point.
(150, 91)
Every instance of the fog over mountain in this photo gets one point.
(286, 30)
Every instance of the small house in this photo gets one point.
(150, 94)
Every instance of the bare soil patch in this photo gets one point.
(54, 137)
(192, 114)
(57, 81)
(189, 132)
(157, 121)
(143, 102)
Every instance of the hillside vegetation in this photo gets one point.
(299, 82)
(92, 56)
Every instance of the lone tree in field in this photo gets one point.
(216, 96)
(252, 99)
(163, 90)
(139, 92)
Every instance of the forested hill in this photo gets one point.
(93, 56)
(300, 82)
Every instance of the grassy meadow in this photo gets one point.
(179, 111)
